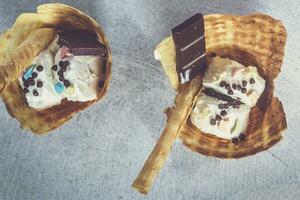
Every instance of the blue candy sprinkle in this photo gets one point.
(59, 87)
(28, 72)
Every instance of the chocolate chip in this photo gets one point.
(31, 81)
(67, 83)
(66, 63)
(222, 83)
(239, 87)
(223, 113)
(60, 73)
(231, 102)
(61, 78)
(213, 93)
(35, 93)
(54, 67)
(235, 140)
(26, 83)
(252, 81)
(61, 63)
(101, 84)
(34, 75)
(39, 84)
(242, 137)
(221, 106)
(236, 106)
(226, 106)
(244, 90)
(39, 68)
(227, 86)
(218, 117)
(212, 122)
(244, 83)
(230, 92)
(234, 86)
(63, 68)
(25, 90)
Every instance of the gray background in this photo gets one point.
(98, 154)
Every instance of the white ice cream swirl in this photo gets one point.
(46, 90)
(242, 84)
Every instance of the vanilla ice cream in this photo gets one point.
(241, 86)
(45, 82)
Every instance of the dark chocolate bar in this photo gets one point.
(82, 43)
(190, 48)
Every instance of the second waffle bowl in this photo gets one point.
(257, 40)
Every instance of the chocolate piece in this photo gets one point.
(63, 68)
(222, 83)
(82, 43)
(252, 81)
(244, 90)
(235, 140)
(221, 106)
(60, 73)
(218, 117)
(66, 63)
(61, 78)
(230, 92)
(223, 113)
(213, 93)
(244, 83)
(39, 68)
(35, 93)
(54, 67)
(100, 84)
(34, 75)
(226, 105)
(242, 137)
(25, 90)
(31, 81)
(61, 63)
(26, 83)
(236, 106)
(212, 122)
(190, 48)
(239, 87)
(39, 84)
(234, 86)
(67, 83)
(227, 86)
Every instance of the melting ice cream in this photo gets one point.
(56, 74)
(240, 86)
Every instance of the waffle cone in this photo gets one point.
(256, 40)
(20, 44)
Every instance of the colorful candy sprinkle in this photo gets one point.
(59, 87)
(65, 52)
(28, 73)
(70, 90)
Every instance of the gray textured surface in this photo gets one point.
(99, 153)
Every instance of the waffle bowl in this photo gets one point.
(20, 44)
(257, 40)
